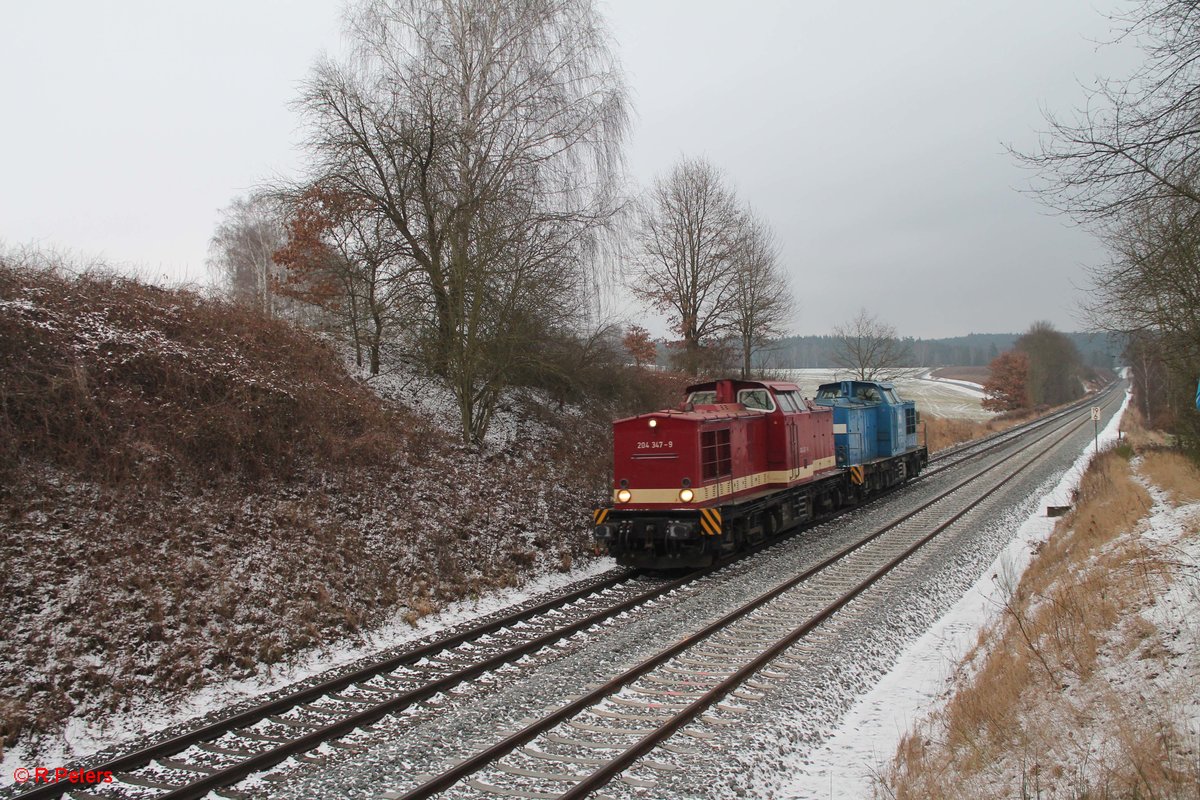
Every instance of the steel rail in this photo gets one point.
(477, 761)
(175, 744)
(146, 755)
(626, 759)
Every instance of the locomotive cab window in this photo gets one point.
(868, 394)
(756, 399)
(702, 398)
(892, 397)
(788, 401)
(830, 393)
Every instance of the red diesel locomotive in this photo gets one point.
(736, 463)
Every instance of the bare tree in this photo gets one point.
(1136, 139)
(869, 348)
(762, 302)
(1127, 165)
(1055, 366)
(692, 237)
(1152, 283)
(241, 249)
(487, 135)
(339, 259)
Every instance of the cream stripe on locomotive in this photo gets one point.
(715, 491)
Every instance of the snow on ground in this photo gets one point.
(1176, 610)
(937, 396)
(872, 728)
(432, 399)
(967, 387)
(83, 739)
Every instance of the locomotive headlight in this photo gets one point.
(653, 423)
(623, 496)
(686, 495)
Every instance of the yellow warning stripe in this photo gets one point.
(857, 475)
(710, 521)
(599, 515)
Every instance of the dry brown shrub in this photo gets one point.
(1135, 434)
(123, 379)
(943, 432)
(1014, 708)
(189, 491)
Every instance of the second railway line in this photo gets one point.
(470, 722)
(455, 695)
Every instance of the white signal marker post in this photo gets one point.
(1096, 425)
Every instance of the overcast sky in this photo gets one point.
(870, 134)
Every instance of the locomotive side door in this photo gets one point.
(796, 459)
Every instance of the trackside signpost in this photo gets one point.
(1096, 426)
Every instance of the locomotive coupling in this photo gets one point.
(681, 530)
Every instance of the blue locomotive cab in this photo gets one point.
(870, 421)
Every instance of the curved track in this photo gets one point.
(218, 754)
(569, 752)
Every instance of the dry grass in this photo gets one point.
(942, 432)
(1174, 474)
(189, 491)
(1034, 714)
(134, 382)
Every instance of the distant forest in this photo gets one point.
(972, 350)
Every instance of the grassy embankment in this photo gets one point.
(941, 432)
(190, 492)
(1086, 686)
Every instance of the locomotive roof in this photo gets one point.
(884, 384)
(778, 386)
(707, 413)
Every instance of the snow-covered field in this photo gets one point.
(937, 396)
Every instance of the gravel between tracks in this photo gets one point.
(755, 756)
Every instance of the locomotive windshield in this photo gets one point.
(703, 398)
(756, 399)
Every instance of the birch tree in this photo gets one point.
(241, 251)
(486, 135)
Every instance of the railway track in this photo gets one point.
(955, 454)
(578, 748)
(263, 735)
(219, 754)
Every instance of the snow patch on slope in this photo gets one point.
(870, 731)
